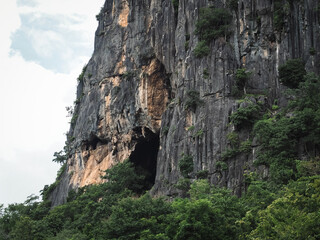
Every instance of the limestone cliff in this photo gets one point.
(131, 102)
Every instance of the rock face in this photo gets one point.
(133, 99)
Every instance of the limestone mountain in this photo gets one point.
(166, 78)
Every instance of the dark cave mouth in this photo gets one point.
(144, 158)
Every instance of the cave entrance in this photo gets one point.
(144, 158)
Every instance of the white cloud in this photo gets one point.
(54, 32)
(45, 43)
(9, 22)
(33, 98)
(82, 12)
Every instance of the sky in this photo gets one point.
(43, 46)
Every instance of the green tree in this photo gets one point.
(292, 72)
(281, 135)
(193, 100)
(186, 165)
(201, 49)
(210, 213)
(124, 176)
(242, 77)
(60, 157)
(69, 234)
(245, 116)
(213, 23)
(22, 229)
(295, 215)
(134, 218)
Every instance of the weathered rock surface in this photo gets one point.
(131, 102)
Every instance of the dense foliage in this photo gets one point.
(112, 211)
(96, 212)
(212, 23)
(186, 165)
(245, 116)
(282, 133)
(241, 78)
(292, 72)
(201, 49)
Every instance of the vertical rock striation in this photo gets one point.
(136, 86)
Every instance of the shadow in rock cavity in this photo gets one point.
(144, 157)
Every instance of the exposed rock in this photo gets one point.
(137, 82)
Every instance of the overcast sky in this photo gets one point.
(43, 47)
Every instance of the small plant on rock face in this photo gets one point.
(186, 165)
(81, 76)
(74, 119)
(245, 116)
(201, 49)
(165, 130)
(186, 46)
(280, 13)
(312, 51)
(245, 147)
(100, 14)
(222, 166)
(191, 128)
(202, 174)
(60, 157)
(198, 133)
(274, 107)
(241, 77)
(128, 75)
(193, 100)
(233, 139)
(206, 73)
(212, 23)
(229, 153)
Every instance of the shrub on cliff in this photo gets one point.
(81, 76)
(245, 116)
(201, 49)
(186, 165)
(124, 176)
(281, 135)
(193, 100)
(60, 157)
(212, 23)
(292, 72)
(242, 77)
